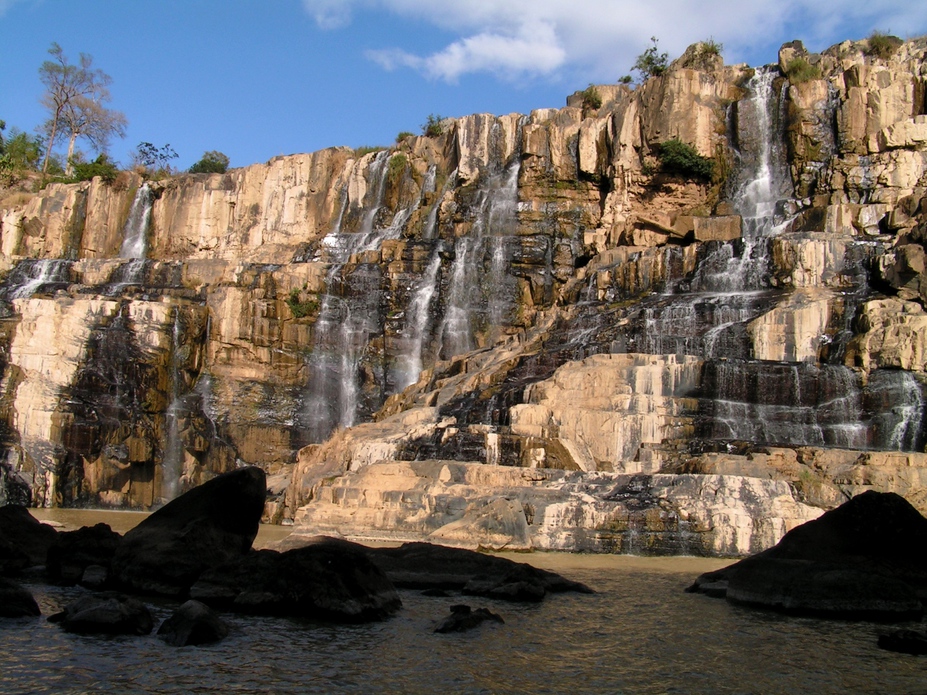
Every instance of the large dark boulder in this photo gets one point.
(107, 613)
(191, 624)
(74, 551)
(864, 559)
(905, 641)
(428, 566)
(327, 580)
(16, 601)
(24, 540)
(210, 525)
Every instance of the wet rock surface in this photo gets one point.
(193, 623)
(464, 618)
(862, 560)
(327, 579)
(204, 528)
(107, 613)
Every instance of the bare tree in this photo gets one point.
(75, 96)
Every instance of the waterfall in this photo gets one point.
(418, 322)
(349, 312)
(907, 434)
(480, 286)
(31, 276)
(135, 231)
(172, 462)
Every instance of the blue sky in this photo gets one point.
(255, 79)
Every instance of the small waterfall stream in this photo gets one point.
(135, 240)
(173, 458)
(36, 275)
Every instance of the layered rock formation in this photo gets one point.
(527, 303)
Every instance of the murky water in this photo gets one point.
(639, 634)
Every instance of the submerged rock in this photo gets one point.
(193, 623)
(108, 613)
(866, 559)
(328, 580)
(15, 601)
(24, 540)
(73, 552)
(463, 618)
(212, 524)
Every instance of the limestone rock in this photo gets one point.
(212, 524)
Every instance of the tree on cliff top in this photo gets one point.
(650, 63)
(75, 96)
(212, 162)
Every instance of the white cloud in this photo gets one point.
(516, 38)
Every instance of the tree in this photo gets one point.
(650, 63)
(74, 96)
(212, 162)
(154, 158)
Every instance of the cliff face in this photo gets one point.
(395, 335)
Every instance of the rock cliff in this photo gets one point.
(522, 332)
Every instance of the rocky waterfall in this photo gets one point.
(521, 332)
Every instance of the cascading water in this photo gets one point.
(32, 276)
(173, 458)
(350, 313)
(419, 322)
(480, 287)
(135, 238)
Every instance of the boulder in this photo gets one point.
(24, 540)
(463, 618)
(863, 560)
(193, 623)
(327, 580)
(107, 613)
(15, 601)
(428, 566)
(75, 551)
(210, 525)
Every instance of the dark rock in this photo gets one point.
(95, 577)
(210, 525)
(74, 551)
(15, 601)
(905, 641)
(867, 559)
(24, 540)
(463, 618)
(106, 613)
(424, 566)
(193, 623)
(328, 580)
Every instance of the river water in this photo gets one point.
(640, 633)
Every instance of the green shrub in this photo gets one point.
(102, 166)
(882, 46)
(403, 135)
(301, 308)
(397, 165)
(702, 55)
(212, 162)
(650, 63)
(592, 100)
(681, 159)
(625, 79)
(367, 149)
(800, 70)
(433, 126)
